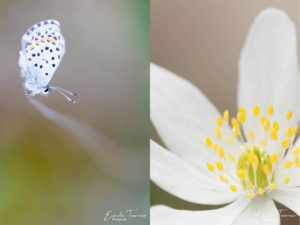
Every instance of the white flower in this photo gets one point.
(247, 162)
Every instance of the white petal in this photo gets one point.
(182, 115)
(261, 210)
(186, 182)
(268, 70)
(163, 215)
(290, 197)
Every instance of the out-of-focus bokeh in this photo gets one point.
(47, 175)
(201, 41)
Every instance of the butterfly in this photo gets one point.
(43, 48)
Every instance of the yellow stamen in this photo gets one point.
(250, 195)
(273, 133)
(229, 140)
(295, 129)
(53, 41)
(285, 143)
(256, 110)
(241, 117)
(241, 174)
(286, 180)
(226, 115)
(219, 121)
(298, 165)
(217, 133)
(296, 160)
(263, 142)
(272, 186)
(275, 125)
(260, 191)
(210, 167)
(243, 111)
(289, 132)
(221, 151)
(48, 38)
(231, 157)
(288, 164)
(273, 158)
(221, 178)
(233, 188)
(251, 134)
(42, 39)
(235, 123)
(225, 179)
(270, 110)
(262, 120)
(37, 42)
(296, 151)
(266, 125)
(208, 142)
(219, 165)
(30, 47)
(235, 132)
(289, 115)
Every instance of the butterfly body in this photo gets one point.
(43, 48)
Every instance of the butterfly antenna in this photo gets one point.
(67, 97)
(69, 92)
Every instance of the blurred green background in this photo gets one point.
(46, 174)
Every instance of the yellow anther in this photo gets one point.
(37, 42)
(298, 165)
(262, 119)
(266, 169)
(251, 134)
(221, 178)
(286, 180)
(273, 133)
(285, 143)
(30, 47)
(270, 110)
(288, 164)
(48, 38)
(217, 133)
(296, 160)
(210, 167)
(53, 41)
(260, 191)
(215, 147)
(241, 174)
(295, 130)
(241, 117)
(246, 165)
(233, 188)
(289, 115)
(235, 132)
(225, 179)
(263, 142)
(296, 151)
(208, 142)
(272, 186)
(221, 151)
(256, 110)
(219, 121)
(289, 132)
(275, 125)
(273, 158)
(252, 158)
(250, 195)
(235, 123)
(243, 111)
(42, 39)
(231, 157)
(226, 115)
(266, 125)
(219, 165)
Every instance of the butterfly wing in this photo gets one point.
(43, 48)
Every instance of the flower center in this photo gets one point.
(255, 169)
(261, 148)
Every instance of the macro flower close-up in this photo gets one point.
(243, 162)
